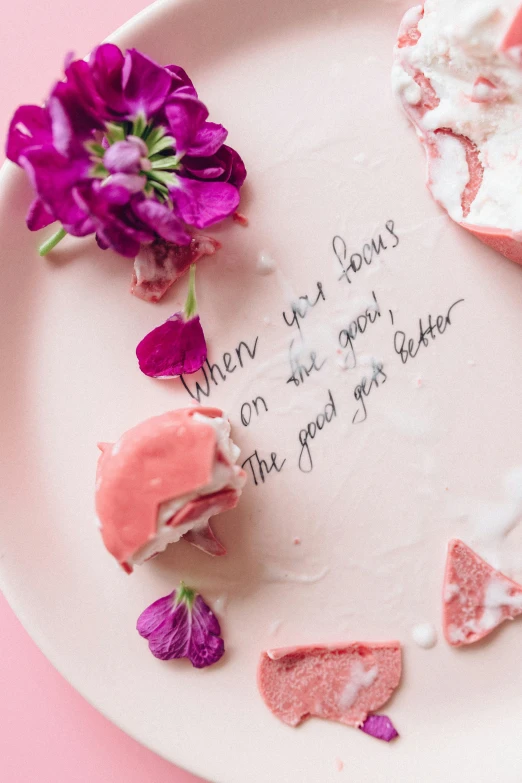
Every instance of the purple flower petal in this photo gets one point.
(39, 215)
(106, 64)
(180, 80)
(54, 176)
(185, 116)
(201, 204)
(30, 126)
(207, 140)
(125, 156)
(175, 348)
(181, 625)
(380, 727)
(155, 614)
(206, 645)
(162, 220)
(146, 84)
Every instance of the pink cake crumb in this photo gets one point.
(476, 597)
(342, 683)
(237, 217)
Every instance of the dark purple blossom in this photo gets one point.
(181, 625)
(380, 727)
(123, 148)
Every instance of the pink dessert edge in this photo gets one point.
(342, 682)
(163, 479)
(487, 96)
(476, 597)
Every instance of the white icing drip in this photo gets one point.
(359, 678)
(275, 574)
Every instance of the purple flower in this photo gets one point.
(123, 148)
(178, 346)
(380, 727)
(181, 625)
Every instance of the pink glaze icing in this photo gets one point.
(342, 683)
(161, 458)
(476, 597)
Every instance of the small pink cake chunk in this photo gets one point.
(342, 683)
(458, 74)
(164, 479)
(476, 597)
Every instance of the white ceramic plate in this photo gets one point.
(304, 89)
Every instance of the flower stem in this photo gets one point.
(51, 243)
(191, 305)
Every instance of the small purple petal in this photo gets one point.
(206, 645)
(162, 220)
(155, 614)
(201, 204)
(207, 140)
(185, 116)
(106, 64)
(181, 80)
(146, 84)
(124, 157)
(119, 188)
(30, 126)
(380, 727)
(181, 625)
(175, 348)
(39, 215)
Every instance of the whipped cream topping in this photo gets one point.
(460, 53)
(225, 475)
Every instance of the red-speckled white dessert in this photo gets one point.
(164, 479)
(458, 73)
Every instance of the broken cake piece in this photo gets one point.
(343, 683)
(458, 74)
(163, 480)
(476, 597)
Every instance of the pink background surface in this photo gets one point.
(49, 733)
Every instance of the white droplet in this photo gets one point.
(424, 635)
(265, 264)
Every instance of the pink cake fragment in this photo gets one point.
(476, 597)
(343, 683)
(485, 81)
(163, 480)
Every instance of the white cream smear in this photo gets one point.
(359, 679)
(479, 87)
(224, 476)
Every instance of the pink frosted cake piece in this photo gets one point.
(164, 479)
(342, 683)
(476, 597)
(458, 73)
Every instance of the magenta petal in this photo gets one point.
(380, 727)
(124, 156)
(207, 140)
(201, 204)
(181, 80)
(185, 115)
(206, 645)
(39, 215)
(162, 220)
(171, 638)
(30, 126)
(146, 84)
(155, 614)
(181, 625)
(175, 348)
